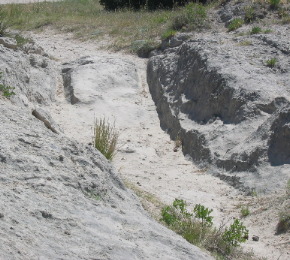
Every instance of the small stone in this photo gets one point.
(255, 238)
(175, 150)
(1, 215)
(138, 183)
(67, 232)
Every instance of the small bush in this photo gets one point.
(204, 214)
(245, 211)
(6, 90)
(105, 138)
(235, 24)
(197, 228)
(271, 62)
(236, 233)
(256, 30)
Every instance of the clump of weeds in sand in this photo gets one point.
(245, 211)
(105, 138)
(235, 24)
(197, 228)
(271, 63)
(6, 90)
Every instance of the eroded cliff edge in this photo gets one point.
(230, 110)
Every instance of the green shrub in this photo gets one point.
(105, 138)
(256, 30)
(271, 62)
(197, 228)
(204, 214)
(6, 90)
(235, 24)
(245, 211)
(236, 233)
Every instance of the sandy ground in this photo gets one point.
(146, 156)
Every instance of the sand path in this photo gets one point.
(146, 157)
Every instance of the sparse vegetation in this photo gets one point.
(235, 24)
(249, 14)
(245, 211)
(197, 228)
(105, 138)
(192, 17)
(6, 90)
(256, 30)
(271, 62)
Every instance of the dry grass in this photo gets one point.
(105, 138)
(87, 20)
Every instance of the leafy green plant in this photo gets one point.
(105, 138)
(204, 214)
(6, 90)
(271, 62)
(245, 211)
(197, 229)
(236, 233)
(235, 24)
(256, 30)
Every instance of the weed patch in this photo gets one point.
(6, 90)
(196, 227)
(105, 138)
(235, 24)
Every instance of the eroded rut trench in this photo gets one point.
(99, 84)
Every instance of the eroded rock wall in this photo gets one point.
(229, 109)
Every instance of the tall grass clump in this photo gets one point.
(105, 138)
(197, 228)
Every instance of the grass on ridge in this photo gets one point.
(87, 20)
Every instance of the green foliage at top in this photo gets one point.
(256, 30)
(6, 90)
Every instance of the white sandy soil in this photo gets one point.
(146, 156)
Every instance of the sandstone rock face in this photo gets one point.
(229, 109)
(60, 199)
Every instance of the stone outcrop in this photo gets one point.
(61, 199)
(229, 109)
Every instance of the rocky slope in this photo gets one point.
(61, 199)
(215, 92)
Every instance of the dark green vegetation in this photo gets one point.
(197, 228)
